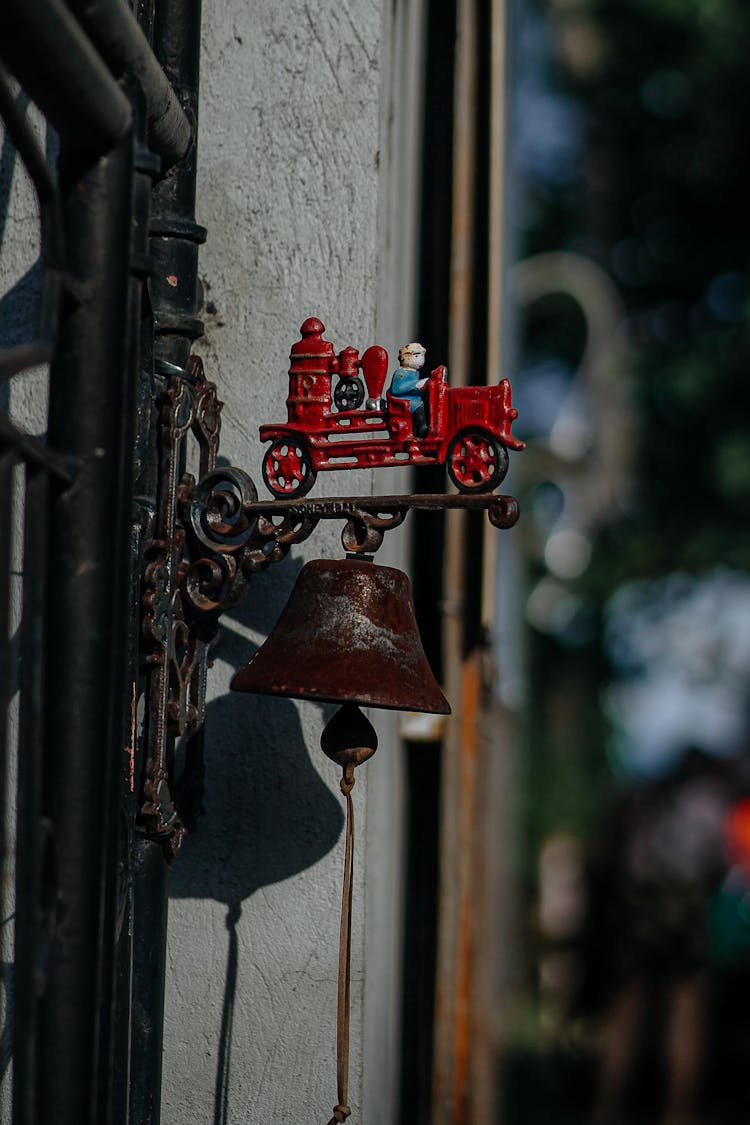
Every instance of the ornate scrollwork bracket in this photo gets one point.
(366, 518)
(226, 517)
(183, 592)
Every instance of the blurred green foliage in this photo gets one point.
(663, 204)
(660, 200)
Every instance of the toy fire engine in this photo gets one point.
(467, 428)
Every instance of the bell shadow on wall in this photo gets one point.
(268, 815)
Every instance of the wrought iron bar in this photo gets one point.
(43, 45)
(367, 518)
(7, 462)
(115, 32)
(125, 733)
(89, 592)
(226, 517)
(149, 936)
(32, 829)
(330, 507)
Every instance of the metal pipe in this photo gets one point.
(43, 45)
(89, 600)
(114, 31)
(176, 236)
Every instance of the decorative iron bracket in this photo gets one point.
(176, 636)
(210, 537)
(268, 528)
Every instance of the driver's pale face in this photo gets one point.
(414, 360)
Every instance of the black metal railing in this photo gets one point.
(89, 888)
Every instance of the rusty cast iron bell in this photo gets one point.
(347, 634)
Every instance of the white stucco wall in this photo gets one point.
(306, 114)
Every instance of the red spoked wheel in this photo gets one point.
(287, 469)
(476, 462)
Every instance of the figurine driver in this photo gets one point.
(407, 385)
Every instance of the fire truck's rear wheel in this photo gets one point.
(476, 462)
(287, 469)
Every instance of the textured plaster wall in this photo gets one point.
(304, 114)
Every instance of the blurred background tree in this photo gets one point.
(631, 126)
(661, 202)
(632, 119)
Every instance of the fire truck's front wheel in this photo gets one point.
(476, 462)
(287, 469)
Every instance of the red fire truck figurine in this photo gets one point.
(468, 428)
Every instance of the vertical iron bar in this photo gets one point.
(30, 951)
(149, 957)
(7, 760)
(175, 234)
(146, 167)
(175, 239)
(123, 1004)
(7, 461)
(88, 598)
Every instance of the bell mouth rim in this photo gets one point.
(367, 656)
(290, 692)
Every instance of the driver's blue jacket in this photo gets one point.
(404, 385)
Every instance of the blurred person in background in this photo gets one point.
(654, 874)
